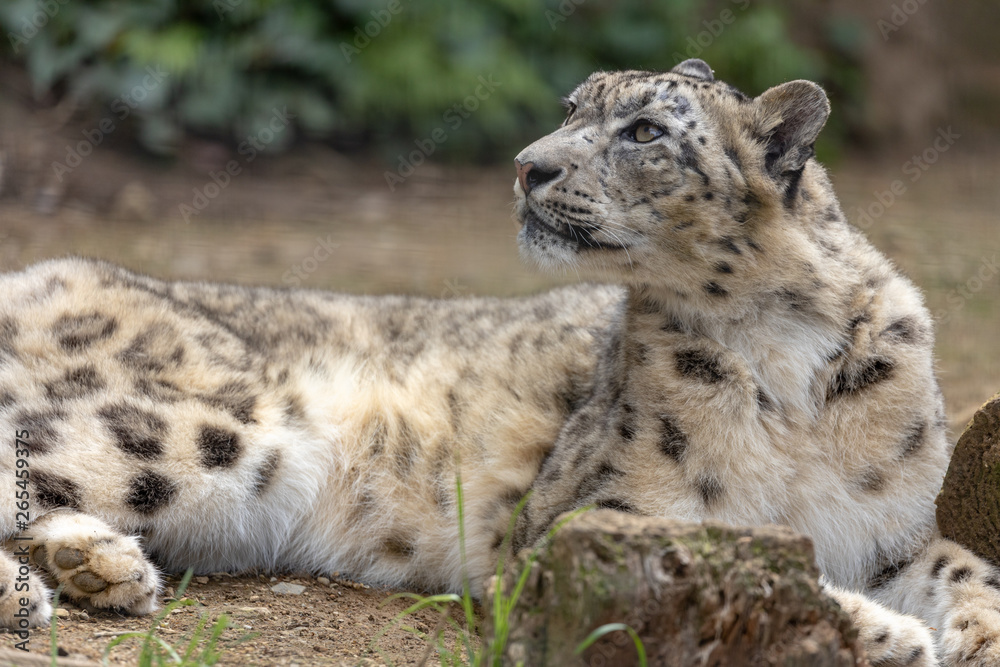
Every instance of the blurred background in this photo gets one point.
(367, 146)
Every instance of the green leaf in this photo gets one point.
(176, 48)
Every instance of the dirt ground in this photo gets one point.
(317, 219)
(331, 622)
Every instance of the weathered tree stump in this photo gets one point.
(697, 594)
(968, 507)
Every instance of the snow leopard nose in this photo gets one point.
(530, 176)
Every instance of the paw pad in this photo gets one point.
(89, 582)
(68, 558)
(41, 556)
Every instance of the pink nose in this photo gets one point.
(522, 174)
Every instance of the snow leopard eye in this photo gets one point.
(643, 132)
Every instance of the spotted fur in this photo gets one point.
(787, 372)
(759, 362)
(244, 428)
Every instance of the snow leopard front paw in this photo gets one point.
(97, 566)
(24, 598)
(890, 639)
(971, 633)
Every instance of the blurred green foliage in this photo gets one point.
(388, 72)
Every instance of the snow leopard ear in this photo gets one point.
(694, 68)
(790, 118)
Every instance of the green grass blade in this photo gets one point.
(175, 604)
(185, 580)
(503, 605)
(210, 656)
(640, 648)
(118, 640)
(165, 647)
(220, 626)
(436, 599)
(245, 638)
(422, 602)
(467, 606)
(196, 636)
(146, 654)
(501, 610)
(536, 552)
